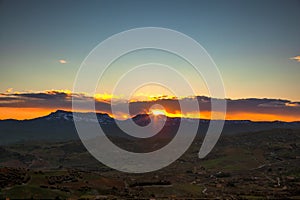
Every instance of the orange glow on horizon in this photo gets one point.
(151, 97)
(23, 113)
(30, 113)
(261, 117)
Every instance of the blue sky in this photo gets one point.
(250, 41)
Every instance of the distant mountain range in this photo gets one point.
(59, 126)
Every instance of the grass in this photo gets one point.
(252, 197)
(233, 159)
(189, 189)
(31, 191)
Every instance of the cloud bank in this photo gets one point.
(252, 108)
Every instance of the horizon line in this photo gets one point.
(133, 116)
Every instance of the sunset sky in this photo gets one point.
(255, 45)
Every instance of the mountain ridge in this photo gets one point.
(59, 126)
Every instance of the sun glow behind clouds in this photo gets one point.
(105, 97)
(158, 112)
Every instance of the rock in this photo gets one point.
(290, 178)
(284, 188)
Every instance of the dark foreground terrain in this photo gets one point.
(253, 165)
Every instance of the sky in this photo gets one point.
(254, 44)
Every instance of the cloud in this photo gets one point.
(274, 104)
(49, 99)
(9, 90)
(297, 58)
(62, 61)
(293, 104)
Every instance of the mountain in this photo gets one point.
(68, 116)
(59, 126)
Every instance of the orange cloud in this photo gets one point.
(62, 61)
(106, 97)
(297, 58)
(9, 90)
(293, 104)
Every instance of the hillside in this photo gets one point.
(262, 164)
(59, 126)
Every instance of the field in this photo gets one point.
(244, 166)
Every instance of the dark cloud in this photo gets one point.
(47, 99)
(45, 96)
(267, 106)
